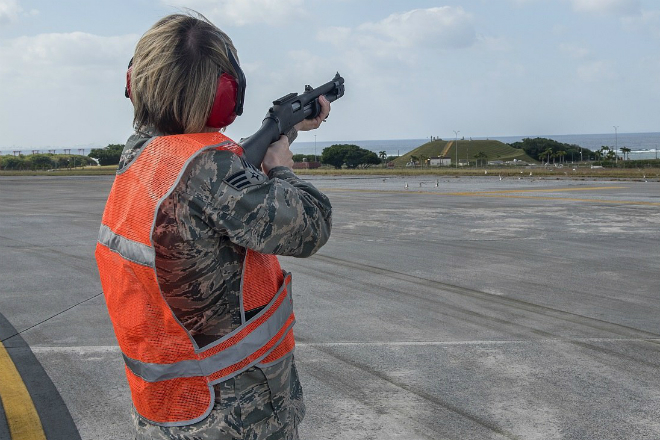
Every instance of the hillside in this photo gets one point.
(495, 150)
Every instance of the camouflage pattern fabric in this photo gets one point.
(221, 207)
(260, 404)
(133, 146)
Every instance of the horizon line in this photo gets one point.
(89, 147)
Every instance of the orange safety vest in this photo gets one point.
(170, 377)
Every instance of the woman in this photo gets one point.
(200, 306)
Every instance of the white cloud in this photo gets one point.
(523, 2)
(65, 81)
(244, 12)
(9, 11)
(596, 71)
(574, 50)
(61, 57)
(617, 7)
(444, 27)
(648, 22)
(495, 44)
(72, 49)
(401, 35)
(407, 60)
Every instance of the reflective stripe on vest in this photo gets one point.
(170, 377)
(274, 318)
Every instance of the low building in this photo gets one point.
(306, 165)
(440, 161)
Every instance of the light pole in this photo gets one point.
(616, 144)
(456, 133)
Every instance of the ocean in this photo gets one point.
(643, 145)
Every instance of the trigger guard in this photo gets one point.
(316, 109)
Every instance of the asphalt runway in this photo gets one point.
(451, 308)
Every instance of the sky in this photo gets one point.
(413, 69)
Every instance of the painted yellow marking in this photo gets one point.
(446, 149)
(510, 194)
(571, 199)
(514, 191)
(22, 417)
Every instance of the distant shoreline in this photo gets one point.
(648, 141)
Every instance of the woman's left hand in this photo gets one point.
(311, 124)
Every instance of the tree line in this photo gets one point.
(105, 156)
(44, 161)
(545, 150)
(349, 155)
(338, 155)
(109, 155)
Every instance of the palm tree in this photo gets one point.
(414, 160)
(560, 155)
(480, 155)
(547, 153)
(383, 156)
(422, 159)
(625, 151)
(607, 153)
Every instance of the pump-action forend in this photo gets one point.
(287, 112)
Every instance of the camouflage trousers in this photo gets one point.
(262, 403)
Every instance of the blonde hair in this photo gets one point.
(175, 73)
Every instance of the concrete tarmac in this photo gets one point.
(450, 308)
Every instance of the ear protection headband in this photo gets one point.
(229, 95)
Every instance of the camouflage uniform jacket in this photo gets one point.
(220, 207)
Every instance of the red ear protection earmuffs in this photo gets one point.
(229, 95)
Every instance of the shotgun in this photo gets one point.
(287, 112)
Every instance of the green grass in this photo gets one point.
(467, 149)
(429, 149)
(86, 171)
